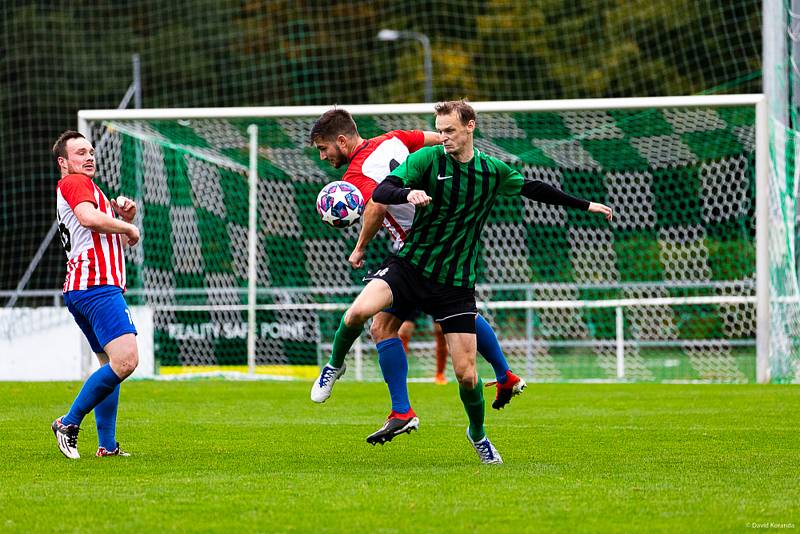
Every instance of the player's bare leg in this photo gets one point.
(386, 326)
(123, 355)
(405, 332)
(441, 354)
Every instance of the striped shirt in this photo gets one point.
(444, 240)
(93, 259)
(372, 161)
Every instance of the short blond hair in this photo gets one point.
(465, 112)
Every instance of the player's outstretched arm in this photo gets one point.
(371, 222)
(546, 193)
(596, 207)
(92, 218)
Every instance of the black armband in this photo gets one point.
(391, 191)
(542, 192)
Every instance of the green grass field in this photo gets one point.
(259, 456)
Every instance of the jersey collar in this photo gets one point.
(361, 147)
(475, 155)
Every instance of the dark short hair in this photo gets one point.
(331, 124)
(465, 112)
(60, 147)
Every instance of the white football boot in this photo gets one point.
(67, 438)
(323, 385)
(486, 451)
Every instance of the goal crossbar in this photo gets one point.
(510, 106)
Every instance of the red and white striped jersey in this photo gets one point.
(93, 259)
(374, 160)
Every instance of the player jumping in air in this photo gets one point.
(336, 137)
(454, 187)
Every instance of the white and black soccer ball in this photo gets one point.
(340, 204)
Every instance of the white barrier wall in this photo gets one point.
(45, 344)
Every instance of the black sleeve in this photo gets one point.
(542, 192)
(391, 191)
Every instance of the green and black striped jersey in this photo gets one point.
(444, 239)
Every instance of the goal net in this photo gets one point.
(666, 291)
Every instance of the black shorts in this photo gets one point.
(452, 307)
(413, 315)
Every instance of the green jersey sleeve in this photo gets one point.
(412, 171)
(511, 181)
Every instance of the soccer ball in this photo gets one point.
(340, 204)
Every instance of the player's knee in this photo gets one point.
(134, 361)
(355, 317)
(468, 381)
(466, 375)
(125, 361)
(381, 331)
(128, 365)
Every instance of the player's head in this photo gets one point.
(455, 122)
(335, 135)
(74, 154)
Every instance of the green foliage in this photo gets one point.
(57, 60)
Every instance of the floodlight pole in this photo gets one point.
(427, 62)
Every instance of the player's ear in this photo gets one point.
(341, 140)
(470, 125)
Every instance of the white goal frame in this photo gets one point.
(758, 101)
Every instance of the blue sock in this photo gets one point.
(96, 388)
(490, 349)
(105, 414)
(394, 365)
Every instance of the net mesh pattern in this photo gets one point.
(681, 182)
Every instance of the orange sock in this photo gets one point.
(441, 352)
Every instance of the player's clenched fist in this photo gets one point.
(419, 198)
(356, 259)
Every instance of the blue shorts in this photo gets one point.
(102, 314)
